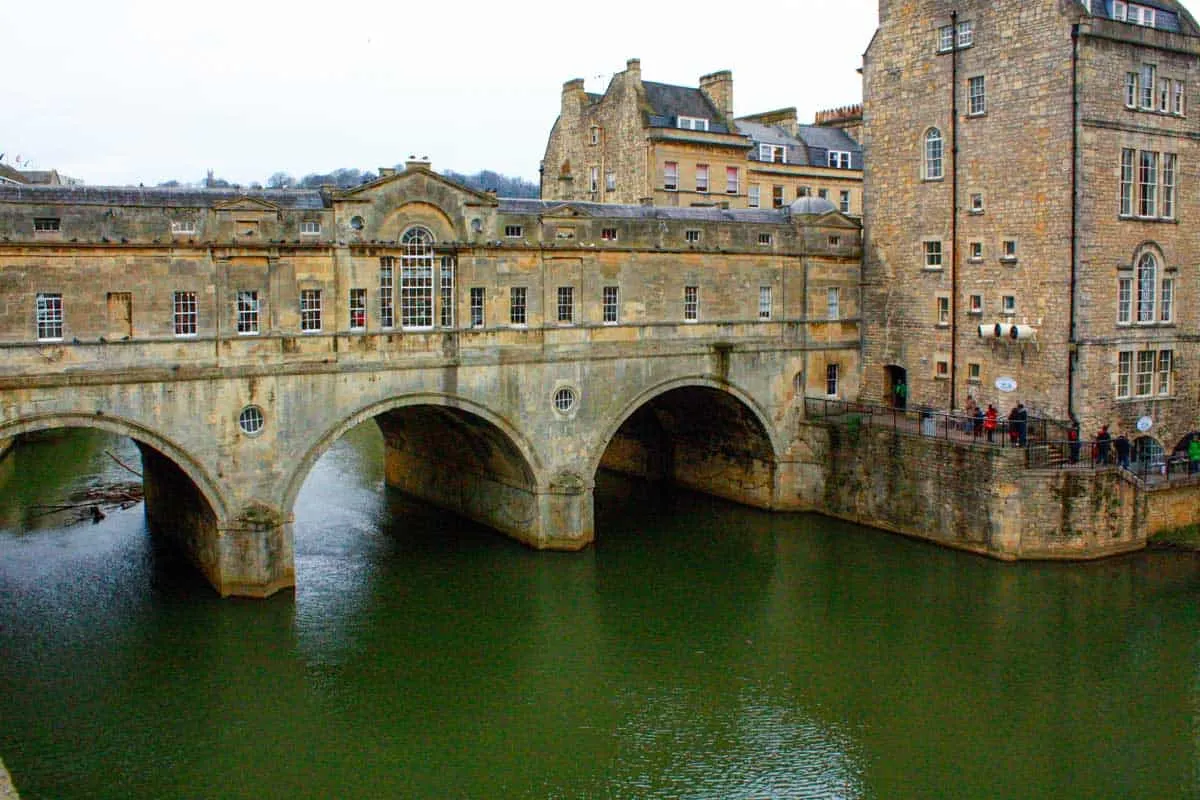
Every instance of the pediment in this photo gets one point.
(246, 203)
(565, 211)
(837, 219)
(427, 179)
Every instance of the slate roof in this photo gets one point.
(513, 205)
(668, 103)
(811, 146)
(1171, 15)
(186, 197)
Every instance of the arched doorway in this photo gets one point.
(1147, 455)
(895, 386)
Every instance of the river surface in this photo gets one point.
(698, 650)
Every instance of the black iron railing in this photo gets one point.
(957, 426)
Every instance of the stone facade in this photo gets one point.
(630, 145)
(500, 345)
(1015, 217)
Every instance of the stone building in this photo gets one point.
(1030, 212)
(658, 144)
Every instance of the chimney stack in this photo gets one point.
(718, 88)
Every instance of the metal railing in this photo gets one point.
(1091, 455)
(957, 426)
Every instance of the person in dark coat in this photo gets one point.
(978, 421)
(1121, 446)
(1073, 438)
(1022, 424)
(1103, 442)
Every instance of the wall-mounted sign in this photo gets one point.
(1144, 424)
(1006, 384)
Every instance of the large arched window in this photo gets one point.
(933, 154)
(1147, 283)
(416, 279)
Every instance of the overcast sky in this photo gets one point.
(132, 91)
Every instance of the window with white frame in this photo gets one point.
(833, 303)
(1177, 98)
(594, 179)
(976, 96)
(446, 290)
(1168, 185)
(976, 251)
(1124, 300)
(764, 302)
(611, 305)
(775, 153)
(477, 306)
(844, 201)
(1008, 250)
(945, 36)
(693, 123)
(975, 304)
(966, 34)
(1127, 158)
(764, 238)
(387, 317)
(839, 159)
(358, 309)
(777, 197)
(1146, 79)
(1124, 373)
(47, 224)
(49, 316)
(943, 311)
(513, 231)
(1147, 183)
(823, 194)
(973, 372)
(731, 180)
(933, 154)
(610, 181)
(1008, 304)
(1164, 95)
(831, 380)
(608, 234)
(595, 135)
(1166, 360)
(416, 279)
(691, 236)
(247, 312)
(183, 226)
(671, 176)
(702, 178)
(1147, 287)
(566, 304)
(933, 254)
(941, 369)
(977, 203)
(691, 303)
(1143, 377)
(1131, 89)
(310, 310)
(186, 314)
(753, 194)
(310, 228)
(517, 303)
(1166, 305)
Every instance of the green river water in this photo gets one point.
(698, 650)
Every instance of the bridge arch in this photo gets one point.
(209, 490)
(725, 437)
(510, 459)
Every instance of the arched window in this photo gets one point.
(933, 154)
(416, 279)
(1147, 283)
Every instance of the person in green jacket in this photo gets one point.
(1194, 455)
(901, 392)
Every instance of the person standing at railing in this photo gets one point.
(1013, 427)
(1121, 446)
(1022, 418)
(1103, 441)
(989, 422)
(901, 393)
(1194, 456)
(1073, 438)
(977, 428)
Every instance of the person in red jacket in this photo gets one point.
(989, 421)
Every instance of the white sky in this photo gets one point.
(130, 91)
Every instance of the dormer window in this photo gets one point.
(692, 123)
(774, 153)
(310, 228)
(839, 159)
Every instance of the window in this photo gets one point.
(416, 279)
(966, 34)
(943, 311)
(933, 254)
(251, 420)
(310, 310)
(446, 306)
(831, 380)
(358, 309)
(356, 222)
(1147, 284)
(1127, 156)
(608, 234)
(183, 226)
(1177, 95)
(671, 176)
(691, 236)
(247, 312)
(764, 238)
(1164, 95)
(1166, 306)
(594, 179)
(49, 316)
(1124, 372)
(702, 178)
(1168, 185)
(476, 307)
(1124, 301)
(46, 224)
(752, 196)
(595, 135)
(835, 241)
(839, 159)
(976, 251)
(973, 372)
(1131, 89)
(803, 191)
(975, 304)
(1147, 183)
(777, 197)
(945, 39)
(1165, 360)
(941, 369)
(611, 305)
(823, 194)
(1141, 15)
(386, 313)
(1146, 85)
(1008, 304)
(977, 203)
(933, 154)
(731, 180)
(976, 96)
(566, 304)
(610, 181)
(844, 203)
(764, 302)
(1119, 10)
(1144, 376)
(833, 303)
(691, 303)
(564, 399)
(310, 228)
(185, 313)
(513, 231)
(517, 296)
(693, 123)
(1008, 250)
(775, 153)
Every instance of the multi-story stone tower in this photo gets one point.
(1032, 212)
